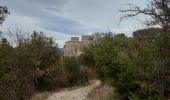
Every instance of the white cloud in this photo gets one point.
(65, 18)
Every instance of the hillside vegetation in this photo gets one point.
(137, 67)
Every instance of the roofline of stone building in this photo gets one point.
(86, 35)
(72, 41)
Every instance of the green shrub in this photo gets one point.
(71, 65)
(46, 83)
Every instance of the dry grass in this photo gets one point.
(103, 92)
(45, 95)
(41, 96)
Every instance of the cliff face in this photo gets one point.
(74, 46)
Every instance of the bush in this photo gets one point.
(72, 69)
(46, 83)
(26, 64)
(129, 65)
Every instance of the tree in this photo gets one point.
(3, 13)
(138, 66)
(87, 57)
(159, 13)
(47, 58)
(17, 72)
(96, 37)
(105, 55)
(31, 64)
(71, 65)
(128, 65)
(157, 10)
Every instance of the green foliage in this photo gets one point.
(17, 66)
(45, 50)
(3, 13)
(34, 64)
(47, 56)
(46, 83)
(129, 65)
(87, 57)
(105, 55)
(22, 67)
(158, 11)
(147, 35)
(71, 65)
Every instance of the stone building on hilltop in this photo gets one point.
(74, 46)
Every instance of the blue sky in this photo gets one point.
(62, 19)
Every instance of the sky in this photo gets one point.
(62, 19)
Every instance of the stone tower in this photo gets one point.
(74, 46)
(86, 40)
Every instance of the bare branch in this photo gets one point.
(157, 10)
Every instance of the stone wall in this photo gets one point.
(74, 46)
(86, 39)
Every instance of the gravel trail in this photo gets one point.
(77, 94)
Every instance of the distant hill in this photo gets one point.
(61, 50)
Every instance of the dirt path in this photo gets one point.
(77, 94)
